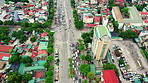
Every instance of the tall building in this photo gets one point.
(101, 42)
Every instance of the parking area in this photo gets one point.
(133, 56)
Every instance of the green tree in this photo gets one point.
(84, 68)
(49, 79)
(26, 77)
(47, 30)
(50, 45)
(14, 77)
(91, 33)
(46, 64)
(51, 67)
(26, 60)
(88, 58)
(81, 47)
(51, 33)
(33, 39)
(121, 61)
(1, 22)
(84, 35)
(109, 66)
(50, 58)
(90, 75)
(82, 57)
(129, 34)
(98, 80)
(87, 39)
(14, 59)
(85, 81)
(49, 73)
(115, 25)
(50, 50)
(70, 60)
(80, 40)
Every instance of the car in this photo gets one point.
(56, 52)
(76, 78)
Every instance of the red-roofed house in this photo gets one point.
(34, 54)
(97, 20)
(42, 52)
(119, 0)
(39, 74)
(44, 34)
(4, 55)
(91, 25)
(144, 13)
(109, 76)
(4, 48)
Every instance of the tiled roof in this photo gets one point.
(42, 52)
(119, 0)
(4, 55)
(4, 48)
(109, 76)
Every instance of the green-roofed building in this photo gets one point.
(101, 42)
(29, 46)
(134, 17)
(39, 63)
(25, 69)
(20, 70)
(137, 81)
(145, 79)
(43, 45)
(93, 68)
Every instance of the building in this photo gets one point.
(5, 49)
(101, 42)
(109, 76)
(134, 18)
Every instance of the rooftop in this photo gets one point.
(43, 45)
(102, 30)
(4, 48)
(2, 55)
(109, 76)
(117, 14)
(135, 18)
(134, 15)
(92, 68)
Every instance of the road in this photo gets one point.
(63, 38)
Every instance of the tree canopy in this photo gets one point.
(50, 50)
(84, 68)
(90, 75)
(49, 73)
(26, 77)
(82, 57)
(4, 31)
(14, 77)
(129, 34)
(88, 58)
(46, 64)
(26, 60)
(14, 59)
(109, 66)
(33, 39)
(50, 58)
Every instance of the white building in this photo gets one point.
(101, 42)
(134, 18)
